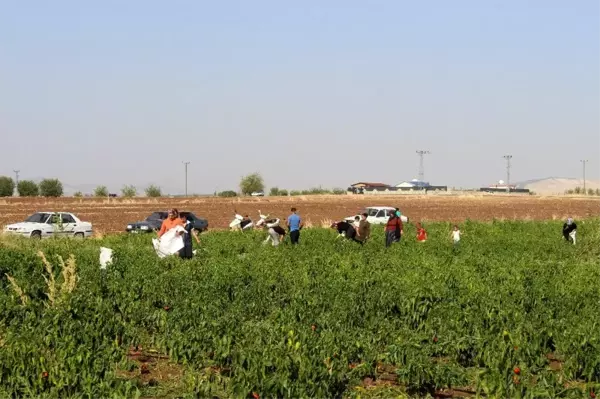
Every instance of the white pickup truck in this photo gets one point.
(51, 224)
(378, 215)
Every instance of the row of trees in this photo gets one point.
(29, 188)
(582, 191)
(128, 191)
(254, 183)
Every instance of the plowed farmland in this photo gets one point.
(111, 215)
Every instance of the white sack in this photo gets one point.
(105, 257)
(169, 243)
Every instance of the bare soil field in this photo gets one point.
(112, 215)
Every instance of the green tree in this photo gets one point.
(129, 191)
(101, 191)
(274, 191)
(78, 194)
(7, 186)
(251, 183)
(228, 194)
(590, 191)
(578, 190)
(28, 188)
(51, 188)
(598, 191)
(283, 192)
(153, 191)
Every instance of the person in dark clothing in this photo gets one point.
(393, 229)
(570, 230)
(345, 229)
(187, 251)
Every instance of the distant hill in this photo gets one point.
(556, 185)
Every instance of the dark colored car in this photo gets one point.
(154, 221)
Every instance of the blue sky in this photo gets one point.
(306, 93)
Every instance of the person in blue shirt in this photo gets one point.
(295, 224)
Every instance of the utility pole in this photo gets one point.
(186, 165)
(584, 161)
(508, 158)
(16, 180)
(421, 165)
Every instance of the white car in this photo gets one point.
(378, 215)
(51, 224)
(258, 194)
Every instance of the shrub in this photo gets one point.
(295, 192)
(590, 191)
(101, 191)
(51, 188)
(129, 191)
(78, 194)
(7, 186)
(283, 193)
(274, 191)
(227, 194)
(153, 191)
(338, 191)
(28, 188)
(251, 183)
(577, 190)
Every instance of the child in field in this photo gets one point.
(455, 235)
(421, 233)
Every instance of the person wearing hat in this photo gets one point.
(570, 230)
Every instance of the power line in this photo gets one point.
(508, 158)
(584, 161)
(421, 164)
(186, 177)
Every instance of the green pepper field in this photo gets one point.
(514, 312)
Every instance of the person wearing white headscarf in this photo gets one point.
(570, 230)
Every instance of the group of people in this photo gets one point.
(358, 231)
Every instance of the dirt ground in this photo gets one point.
(112, 215)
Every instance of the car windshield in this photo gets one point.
(371, 211)
(157, 215)
(38, 218)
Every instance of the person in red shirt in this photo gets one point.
(393, 229)
(421, 233)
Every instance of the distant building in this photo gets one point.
(414, 183)
(369, 185)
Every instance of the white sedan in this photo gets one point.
(51, 224)
(378, 215)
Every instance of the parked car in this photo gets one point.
(378, 215)
(154, 221)
(51, 224)
(258, 194)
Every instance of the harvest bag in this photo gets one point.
(170, 243)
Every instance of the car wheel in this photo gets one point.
(79, 235)
(36, 234)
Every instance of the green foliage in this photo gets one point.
(578, 190)
(274, 191)
(78, 194)
(295, 192)
(338, 191)
(153, 191)
(227, 194)
(51, 188)
(590, 191)
(283, 192)
(28, 188)
(129, 191)
(251, 183)
(312, 320)
(101, 191)
(7, 186)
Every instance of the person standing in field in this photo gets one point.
(171, 221)
(275, 233)
(421, 233)
(455, 235)
(393, 229)
(294, 223)
(187, 251)
(364, 229)
(570, 230)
